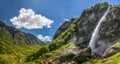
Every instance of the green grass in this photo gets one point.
(64, 47)
(54, 54)
(115, 59)
(19, 54)
(117, 45)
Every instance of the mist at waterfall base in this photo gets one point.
(98, 47)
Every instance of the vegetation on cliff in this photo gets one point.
(80, 31)
(16, 47)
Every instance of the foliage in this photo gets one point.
(83, 56)
(16, 54)
(80, 28)
(117, 45)
(54, 45)
(66, 57)
(80, 59)
(7, 59)
(110, 60)
(64, 47)
(4, 48)
(35, 55)
(40, 56)
(63, 38)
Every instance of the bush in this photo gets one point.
(83, 56)
(66, 57)
(80, 59)
(34, 56)
(54, 45)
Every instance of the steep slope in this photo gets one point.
(85, 24)
(62, 28)
(70, 43)
(16, 37)
(16, 45)
(83, 27)
(11, 37)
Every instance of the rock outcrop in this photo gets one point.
(83, 27)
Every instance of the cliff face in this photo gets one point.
(63, 27)
(13, 36)
(85, 24)
(71, 40)
(81, 29)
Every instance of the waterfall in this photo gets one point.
(95, 34)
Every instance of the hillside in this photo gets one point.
(72, 39)
(16, 45)
(15, 36)
(70, 44)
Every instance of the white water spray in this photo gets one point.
(95, 34)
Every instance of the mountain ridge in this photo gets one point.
(71, 40)
(80, 31)
(16, 36)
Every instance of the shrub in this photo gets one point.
(54, 45)
(66, 57)
(80, 59)
(83, 56)
(34, 56)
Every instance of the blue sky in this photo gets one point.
(56, 10)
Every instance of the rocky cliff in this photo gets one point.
(86, 23)
(63, 27)
(71, 40)
(81, 30)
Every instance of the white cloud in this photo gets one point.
(28, 19)
(66, 19)
(44, 38)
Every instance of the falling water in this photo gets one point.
(95, 34)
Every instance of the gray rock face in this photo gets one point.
(74, 51)
(62, 28)
(86, 23)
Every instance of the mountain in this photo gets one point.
(14, 36)
(71, 40)
(62, 28)
(11, 37)
(84, 26)
(16, 45)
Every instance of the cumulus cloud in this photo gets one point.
(44, 38)
(28, 19)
